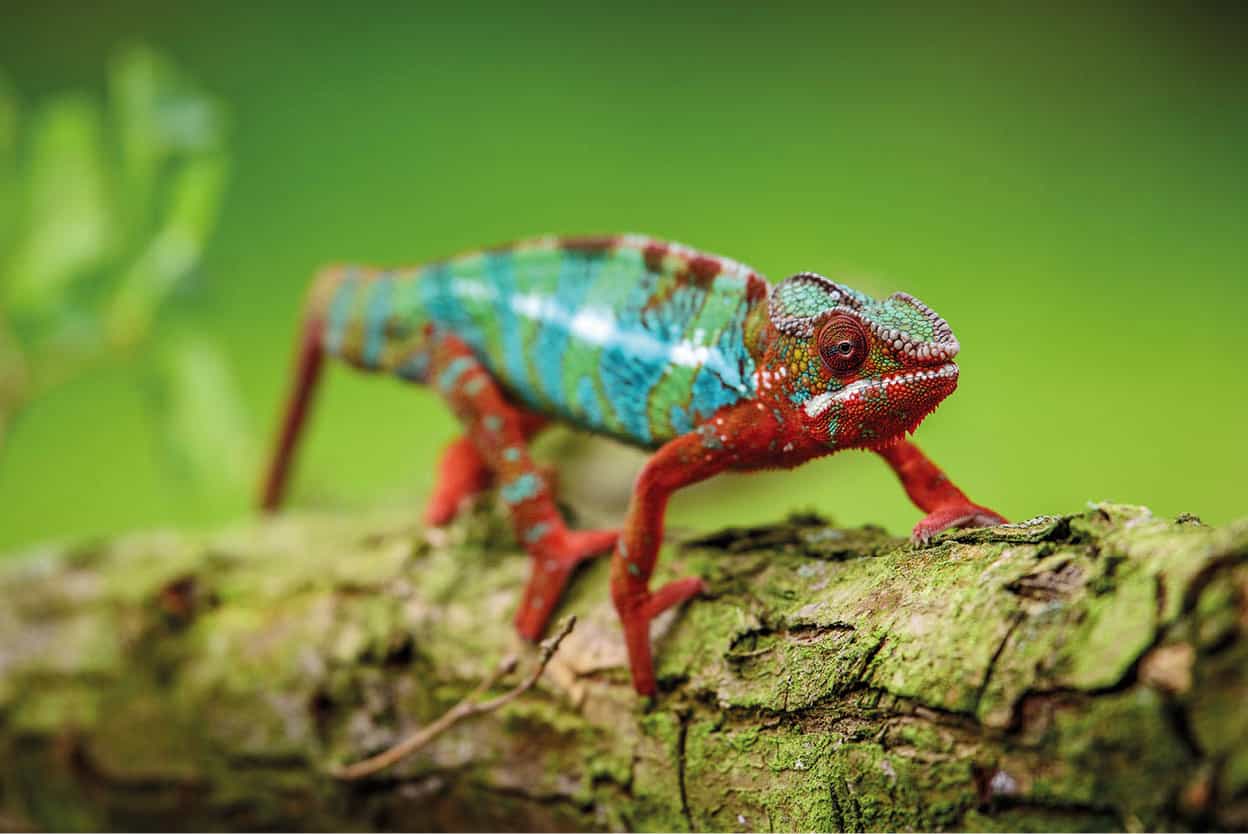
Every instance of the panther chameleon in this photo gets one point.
(694, 356)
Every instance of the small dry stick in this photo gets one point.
(465, 708)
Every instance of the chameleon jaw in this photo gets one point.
(946, 373)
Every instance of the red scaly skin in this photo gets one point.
(463, 473)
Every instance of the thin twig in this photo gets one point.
(464, 709)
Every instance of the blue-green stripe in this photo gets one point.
(375, 319)
(340, 311)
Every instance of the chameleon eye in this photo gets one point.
(843, 344)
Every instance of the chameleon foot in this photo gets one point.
(559, 555)
(959, 515)
(636, 612)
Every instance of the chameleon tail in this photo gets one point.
(309, 362)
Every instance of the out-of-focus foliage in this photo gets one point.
(204, 430)
(171, 141)
(64, 222)
(105, 208)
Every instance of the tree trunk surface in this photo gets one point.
(1072, 672)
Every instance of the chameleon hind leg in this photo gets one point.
(463, 473)
(498, 432)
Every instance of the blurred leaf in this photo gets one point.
(158, 115)
(201, 417)
(172, 253)
(67, 228)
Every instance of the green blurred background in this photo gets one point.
(1067, 189)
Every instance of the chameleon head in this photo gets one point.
(860, 371)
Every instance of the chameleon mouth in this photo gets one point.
(923, 383)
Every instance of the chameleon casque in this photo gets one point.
(692, 355)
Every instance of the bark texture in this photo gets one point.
(1076, 672)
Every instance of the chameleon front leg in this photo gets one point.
(931, 491)
(497, 430)
(735, 438)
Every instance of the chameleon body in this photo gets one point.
(692, 355)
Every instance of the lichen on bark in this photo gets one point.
(1080, 671)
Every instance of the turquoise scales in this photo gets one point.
(622, 336)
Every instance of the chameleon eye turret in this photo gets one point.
(690, 355)
(843, 345)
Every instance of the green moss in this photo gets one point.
(1115, 630)
(1216, 705)
(1217, 612)
(536, 711)
(1117, 750)
(656, 778)
(1234, 778)
(48, 707)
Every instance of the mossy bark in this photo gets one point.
(1075, 672)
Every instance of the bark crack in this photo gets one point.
(680, 771)
(1015, 622)
(838, 817)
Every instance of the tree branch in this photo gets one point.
(1072, 672)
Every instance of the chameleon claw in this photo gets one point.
(957, 516)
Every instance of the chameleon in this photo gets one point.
(693, 356)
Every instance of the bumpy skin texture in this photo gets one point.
(658, 345)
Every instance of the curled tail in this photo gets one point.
(309, 361)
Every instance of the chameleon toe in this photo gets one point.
(948, 518)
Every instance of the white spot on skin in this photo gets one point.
(820, 403)
(689, 354)
(594, 326)
(474, 290)
(635, 241)
(535, 306)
